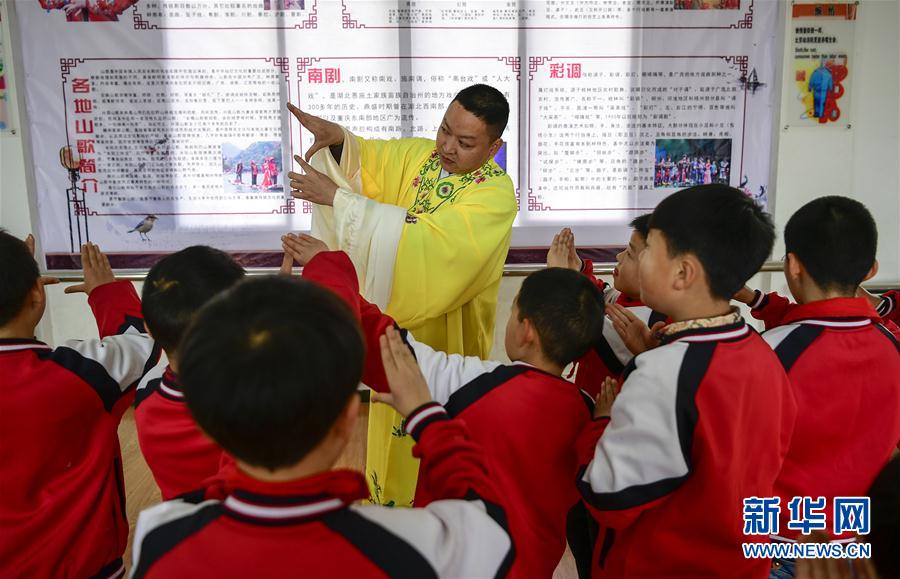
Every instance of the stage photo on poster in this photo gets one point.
(688, 162)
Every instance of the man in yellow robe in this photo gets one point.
(427, 224)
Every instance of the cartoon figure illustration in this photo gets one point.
(144, 227)
(821, 82)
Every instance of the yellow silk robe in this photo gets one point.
(447, 273)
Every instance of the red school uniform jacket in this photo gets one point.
(62, 503)
(691, 435)
(844, 370)
(179, 455)
(772, 309)
(315, 527)
(609, 356)
(526, 422)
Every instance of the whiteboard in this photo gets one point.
(614, 105)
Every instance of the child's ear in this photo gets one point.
(37, 297)
(687, 272)
(346, 420)
(792, 266)
(872, 272)
(529, 334)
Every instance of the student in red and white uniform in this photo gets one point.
(843, 364)
(773, 308)
(179, 455)
(609, 356)
(282, 511)
(692, 432)
(62, 503)
(524, 415)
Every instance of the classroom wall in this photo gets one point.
(862, 162)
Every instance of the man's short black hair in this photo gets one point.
(18, 274)
(641, 224)
(488, 104)
(566, 310)
(269, 365)
(885, 519)
(835, 238)
(728, 232)
(179, 284)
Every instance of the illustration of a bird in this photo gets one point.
(144, 227)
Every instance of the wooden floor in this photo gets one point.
(141, 490)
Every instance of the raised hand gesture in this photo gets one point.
(605, 398)
(325, 132)
(29, 242)
(562, 251)
(311, 185)
(634, 332)
(97, 270)
(300, 248)
(408, 387)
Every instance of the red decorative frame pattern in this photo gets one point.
(738, 62)
(311, 22)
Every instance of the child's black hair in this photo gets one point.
(18, 275)
(641, 224)
(835, 238)
(269, 365)
(728, 232)
(178, 285)
(566, 309)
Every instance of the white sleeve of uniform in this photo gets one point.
(778, 334)
(122, 359)
(643, 454)
(156, 516)
(457, 538)
(447, 373)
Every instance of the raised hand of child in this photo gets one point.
(556, 256)
(29, 242)
(562, 251)
(745, 295)
(635, 334)
(568, 238)
(301, 248)
(604, 401)
(287, 265)
(97, 270)
(408, 387)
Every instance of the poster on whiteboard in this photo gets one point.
(158, 124)
(821, 50)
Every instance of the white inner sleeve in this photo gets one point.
(367, 231)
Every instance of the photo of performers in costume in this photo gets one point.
(261, 158)
(688, 162)
(89, 10)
